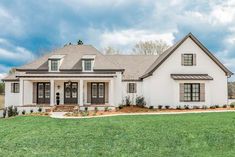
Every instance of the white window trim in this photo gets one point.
(83, 66)
(59, 63)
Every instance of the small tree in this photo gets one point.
(110, 50)
(150, 47)
(80, 42)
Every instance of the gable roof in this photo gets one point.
(72, 59)
(170, 50)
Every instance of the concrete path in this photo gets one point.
(61, 114)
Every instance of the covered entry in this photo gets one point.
(70, 93)
(43, 93)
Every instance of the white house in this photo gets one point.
(185, 74)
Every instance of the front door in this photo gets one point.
(70, 92)
(43, 93)
(98, 93)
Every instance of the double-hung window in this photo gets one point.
(15, 87)
(191, 92)
(87, 65)
(131, 88)
(54, 65)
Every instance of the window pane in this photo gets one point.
(17, 87)
(47, 90)
(74, 90)
(54, 65)
(188, 59)
(40, 90)
(87, 65)
(67, 90)
(192, 92)
(132, 87)
(101, 90)
(94, 90)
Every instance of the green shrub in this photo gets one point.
(23, 112)
(232, 105)
(10, 111)
(151, 107)
(159, 107)
(224, 106)
(178, 107)
(85, 113)
(127, 101)
(96, 109)
(86, 109)
(31, 111)
(39, 109)
(120, 107)
(15, 112)
(212, 107)
(186, 107)
(106, 109)
(216, 106)
(4, 112)
(140, 101)
(167, 107)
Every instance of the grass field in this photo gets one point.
(1, 101)
(211, 134)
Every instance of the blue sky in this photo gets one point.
(30, 28)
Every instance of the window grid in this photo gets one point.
(87, 65)
(132, 87)
(191, 92)
(188, 59)
(15, 87)
(54, 65)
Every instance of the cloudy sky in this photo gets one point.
(30, 28)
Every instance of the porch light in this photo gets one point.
(58, 87)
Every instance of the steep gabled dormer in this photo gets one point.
(54, 63)
(88, 63)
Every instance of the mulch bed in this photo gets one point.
(136, 109)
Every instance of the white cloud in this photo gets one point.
(127, 38)
(11, 52)
(2, 75)
(9, 23)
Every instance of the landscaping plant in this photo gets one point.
(127, 101)
(39, 109)
(159, 107)
(140, 101)
(167, 107)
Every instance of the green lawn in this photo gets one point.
(210, 134)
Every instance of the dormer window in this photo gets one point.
(54, 63)
(88, 63)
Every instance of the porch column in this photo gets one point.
(21, 92)
(52, 94)
(81, 93)
(111, 102)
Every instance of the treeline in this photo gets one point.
(2, 87)
(231, 90)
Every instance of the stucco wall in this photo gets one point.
(11, 99)
(139, 91)
(161, 89)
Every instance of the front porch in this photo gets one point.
(87, 92)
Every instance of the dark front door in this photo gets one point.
(43, 93)
(98, 93)
(70, 92)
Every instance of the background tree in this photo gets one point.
(80, 42)
(150, 47)
(12, 71)
(2, 87)
(110, 50)
(231, 90)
